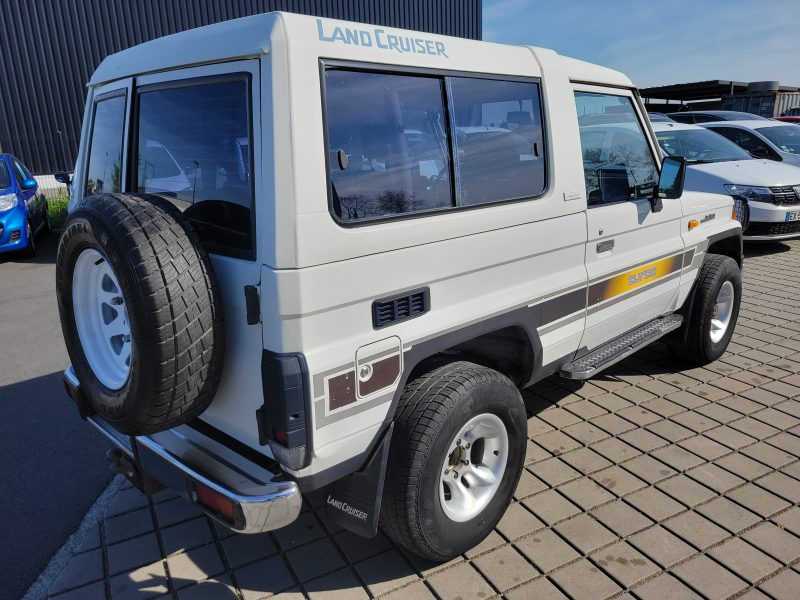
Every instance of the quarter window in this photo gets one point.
(498, 140)
(401, 144)
(617, 162)
(194, 147)
(105, 151)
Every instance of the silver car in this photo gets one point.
(772, 140)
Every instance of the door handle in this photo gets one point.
(605, 246)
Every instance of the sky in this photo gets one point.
(658, 43)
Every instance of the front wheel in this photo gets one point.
(712, 318)
(457, 453)
(30, 250)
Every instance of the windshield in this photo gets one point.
(699, 146)
(786, 138)
(5, 181)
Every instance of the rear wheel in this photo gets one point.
(457, 453)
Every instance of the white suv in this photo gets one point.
(380, 236)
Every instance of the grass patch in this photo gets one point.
(57, 206)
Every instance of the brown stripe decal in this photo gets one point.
(561, 306)
(341, 390)
(687, 257)
(384, 372)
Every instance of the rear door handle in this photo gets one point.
(605, 246)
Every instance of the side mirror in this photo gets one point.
(28, 184)
(760, 152)
(62, 177)
(670, 182)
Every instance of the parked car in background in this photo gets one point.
(23, 211)
(657, 117)
(766, 193)
(763, 139)
(788, 119)
(711, 116)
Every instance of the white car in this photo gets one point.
(767, 193)
(773, 140)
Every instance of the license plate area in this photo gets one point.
(792, 215)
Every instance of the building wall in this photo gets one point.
(49, 48)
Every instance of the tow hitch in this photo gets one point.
(120, 463)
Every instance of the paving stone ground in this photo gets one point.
(651, 481)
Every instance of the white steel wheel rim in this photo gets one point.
(101, 318)
(473, 467)
(721, 312)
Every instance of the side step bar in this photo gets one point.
(621, 347)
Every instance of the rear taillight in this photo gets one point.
(282, 421)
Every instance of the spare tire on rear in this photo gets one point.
(140, 310)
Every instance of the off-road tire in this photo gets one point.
(692, 342)
(174, 310)
(431, 410)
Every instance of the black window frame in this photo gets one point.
(201, 80)
(109, 95)
(442, 75)
(645, 128)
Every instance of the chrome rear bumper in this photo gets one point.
(184, 459)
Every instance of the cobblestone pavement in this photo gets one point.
(651, 481)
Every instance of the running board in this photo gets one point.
(621, 347)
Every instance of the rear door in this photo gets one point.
(633, 254)
(196, 139)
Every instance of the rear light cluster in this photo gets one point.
(282, 420)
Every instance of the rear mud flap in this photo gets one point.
(354, 501)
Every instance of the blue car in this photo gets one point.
(23, 211)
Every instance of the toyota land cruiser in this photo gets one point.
(303, 253)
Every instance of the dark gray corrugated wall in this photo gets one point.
(49, 48)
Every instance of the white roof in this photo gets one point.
(750, 124)
(664, 126)
(307, 36)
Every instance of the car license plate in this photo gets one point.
(793, 215)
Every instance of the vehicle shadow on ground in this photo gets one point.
(655, 359)
(765, 249)
(46, 249)
(52, 469)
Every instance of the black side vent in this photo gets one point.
(388, 311)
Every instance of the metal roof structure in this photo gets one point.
(50, 50)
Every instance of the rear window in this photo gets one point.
(193, 147)
(401, 144)
(5, 180)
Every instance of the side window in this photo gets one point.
(498, 140)
(105, 150)
(22, 172)
(747, 140)
(397, 146)
(617, 162)
(193, 145)
(5, 179)
(388, 149)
